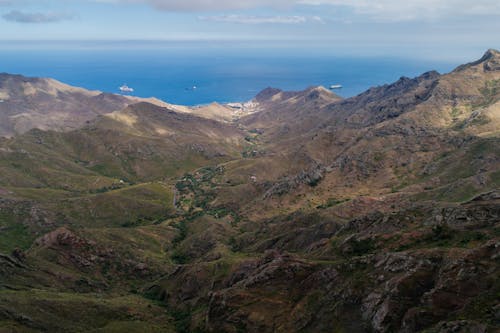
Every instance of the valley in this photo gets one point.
(301, 212)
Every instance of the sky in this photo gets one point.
(458, 29)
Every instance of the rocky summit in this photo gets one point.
(294, 212)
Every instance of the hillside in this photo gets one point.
(409, 137)
(27, 103)
(295, 212)
(48, 104)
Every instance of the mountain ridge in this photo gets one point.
(305, 212)
(48, 104)
(490, 55)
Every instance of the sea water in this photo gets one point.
(197, 74)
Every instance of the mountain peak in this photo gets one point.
(318, 89)
(490, 61)
(267, 94)
(320, 92)
(492, 53)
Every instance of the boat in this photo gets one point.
(336, 86)
(126, 89)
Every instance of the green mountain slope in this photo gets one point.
(377, 213)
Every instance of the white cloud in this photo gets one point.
(317, 19)
(26, 17)
(401, 10)
(206, 5)
(392, 10)
(249, 19)
(375, 10)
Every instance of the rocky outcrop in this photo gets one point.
(68, 249)
(11, 262)
(385, 290)
(311, 177)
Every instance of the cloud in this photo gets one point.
(389, 10)
(248, 19)
(397, 10)
(206, 5)
(374, 10)
(25, 17)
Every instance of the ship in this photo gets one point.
(336, 86)
(126, 89)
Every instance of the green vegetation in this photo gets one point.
(13, 235)
(440, 233)
(14, 232)
(250, 152)
(445, 237)
(490, 92)
(495, 178)
(332, 202)
(379, 156)
(117, 254)
(359, 247)
(197, 190)
(182, 319)
(149, 203)
(182, 231)
(456, 170)
(455, 112)
(179, 257)
(71, 312)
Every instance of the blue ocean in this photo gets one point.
(220, 74)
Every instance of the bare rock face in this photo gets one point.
(257, 281)
(492, 60)
(10, 263)
(379, 289)
(71, 250)
(386, 307)
(61, 237)
(311, 177)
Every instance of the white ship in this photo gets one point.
(126, 89)
(336, 86)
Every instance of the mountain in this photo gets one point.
(216, 111)
(47, 104)
(390, 139)
(294, 212)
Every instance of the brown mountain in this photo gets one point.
(390, 137)
(48, 104)
(312, 213)
(139, 143)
